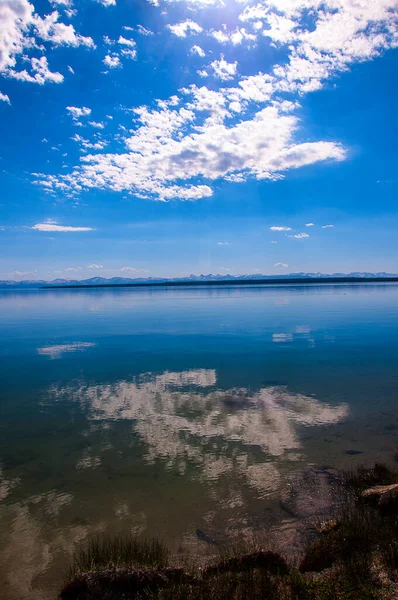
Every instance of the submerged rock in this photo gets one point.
(384, 496)
(114, 583)
(265, 560)
(326, 526)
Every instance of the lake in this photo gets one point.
(181, 412)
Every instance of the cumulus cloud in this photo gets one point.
(112, 61)
(40, 73)
(179, 149)
(280, 228)
(157, 156)
(185, 28)
(61, 228)
(4, 98)
(95, 266)
(236, 37)
(198, 50)
(107, 2)
(126, 42)
(96, 124)
(22, 30)
(224, 70)
(78, 112)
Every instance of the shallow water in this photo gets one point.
(173, 411)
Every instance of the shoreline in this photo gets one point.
(235, 282)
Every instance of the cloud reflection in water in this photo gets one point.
(183, 418)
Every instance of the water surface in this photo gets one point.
(168, 411)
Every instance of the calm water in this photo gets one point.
(168, 411)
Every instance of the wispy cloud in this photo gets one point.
(4, 98)
(22, 273)
(299, 236)
(280, 228)
(223, 243)
(310, 224)
(60, 228)
(281, 265)
(95, 266)
(133, 270)
(327, 226)
(57, 351)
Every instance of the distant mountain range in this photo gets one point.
(102, 281)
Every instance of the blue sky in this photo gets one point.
(168, 137)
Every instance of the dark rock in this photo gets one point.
(203, 537)
(319, 558)
(113, 583)
(265, 560)
(353, 452)
(384, 496)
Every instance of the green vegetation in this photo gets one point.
(352, 556)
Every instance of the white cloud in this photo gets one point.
(22, 273)
(142, 30)
(133, 270)
(224, 70)
(107, 2)
(280, 228)
(126, 42)
(41, 73)
(77, 112)
(75, 269)
(157, 155)
(54, 352)
(327, 226)
(50, 30)
(281, 265)
(95, 266)
(97, 144)
(236, 37)
(112, 61)
(128, 53)
(185, 28)
(96, 124)
(198, 50)
(310, 224)
(62, 2)
(223, 243)
(62, 228)
(300, 236)
(4, 98)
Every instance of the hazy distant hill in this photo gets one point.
(95, 281)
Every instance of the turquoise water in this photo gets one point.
(172, 411)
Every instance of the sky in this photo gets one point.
(146, 138)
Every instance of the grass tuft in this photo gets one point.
(102, 552)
